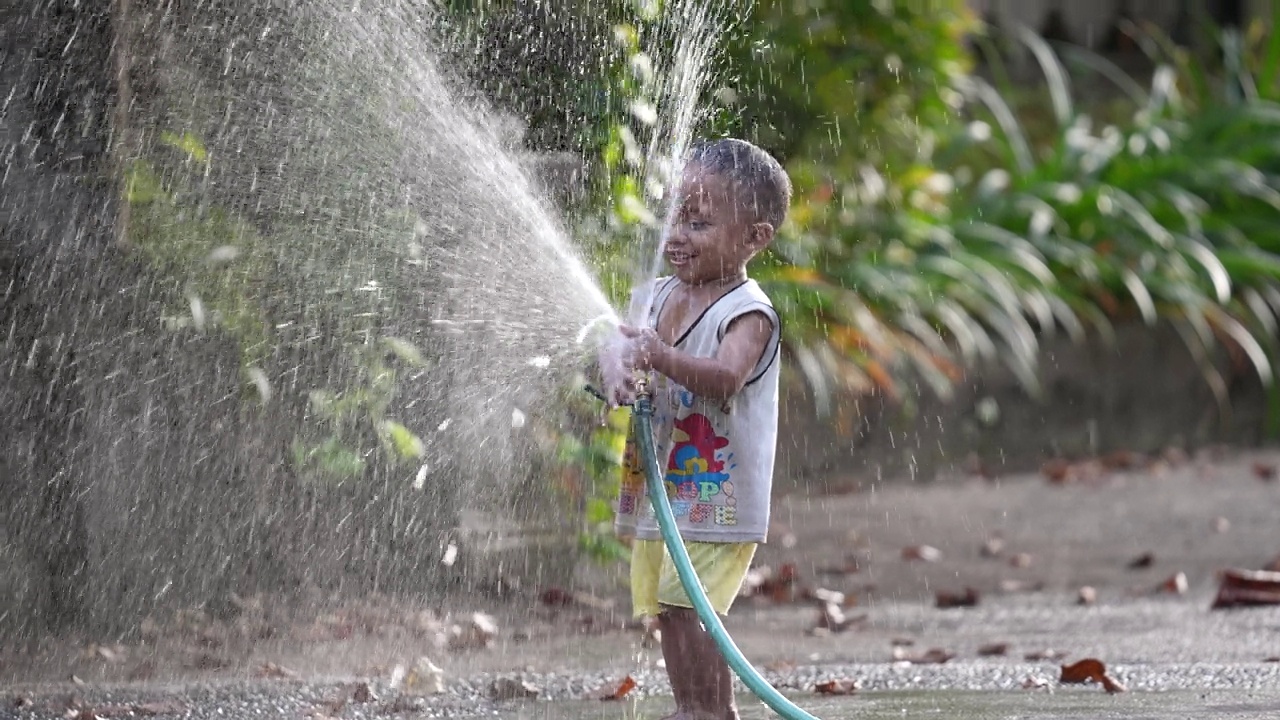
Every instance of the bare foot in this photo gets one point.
(696, 715)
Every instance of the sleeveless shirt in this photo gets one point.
(717, 458)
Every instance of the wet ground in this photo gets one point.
(1025, 545)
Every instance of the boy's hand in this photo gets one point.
(645, 347)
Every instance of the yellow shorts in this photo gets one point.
(720, 566)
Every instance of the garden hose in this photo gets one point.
(643, 414)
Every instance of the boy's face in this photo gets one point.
(711, 236)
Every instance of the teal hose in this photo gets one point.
(689, 579)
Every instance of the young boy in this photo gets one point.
(712, 344)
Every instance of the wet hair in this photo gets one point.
(759, 179)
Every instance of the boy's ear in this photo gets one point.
(760, 235)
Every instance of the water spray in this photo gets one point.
(643, 415)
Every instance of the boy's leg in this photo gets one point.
(699, 670)
(647, 559)
(695, 665)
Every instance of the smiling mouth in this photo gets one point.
(678, 258)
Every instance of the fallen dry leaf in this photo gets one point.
(478, 633)
(363, 693)
(1272, 659)
(22, 701)
(1090, 670)
(968, 598)
(626, 686)
(1142, 562)
(1265, 472)
(426, 678)
(1020, 560)
(780, 586)
(836, 687)
(273, 671)
(1175, 585)
(513, 689)
(993, 649)
(1247, 588)
(901, 642)
(932, 656)
(1086, 595)
(1123, 460)
(1057, 470)
(993, 547)
(923, 553)
(831, 618)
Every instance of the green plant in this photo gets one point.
(998, 241)
(226, 270)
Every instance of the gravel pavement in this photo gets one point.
(1043, 541)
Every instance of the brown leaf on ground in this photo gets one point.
(1142, 562)
(1247, 588)
(831, 618)
(968, 598)
(513, 689)
(1057, 471)
(627, 685)
(923, 553)
(1272, 659)
(362, 693)
(836, 687)
(779, 586)
(932, 656)
(1265, 472)
(1175, 585)
(1040, 655)
(1090, 670)
(1020, 560)
(901, 642)
(21, 701)
(1086, 595)
(993, 649)
(270, 670)
(477, 633)
(1123, 460)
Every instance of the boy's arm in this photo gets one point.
(716, 378)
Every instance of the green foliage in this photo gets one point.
(1171, 214)
(227, 271)
(849, 82)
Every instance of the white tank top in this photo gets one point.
(717, 459)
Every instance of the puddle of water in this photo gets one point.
(954, 705)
